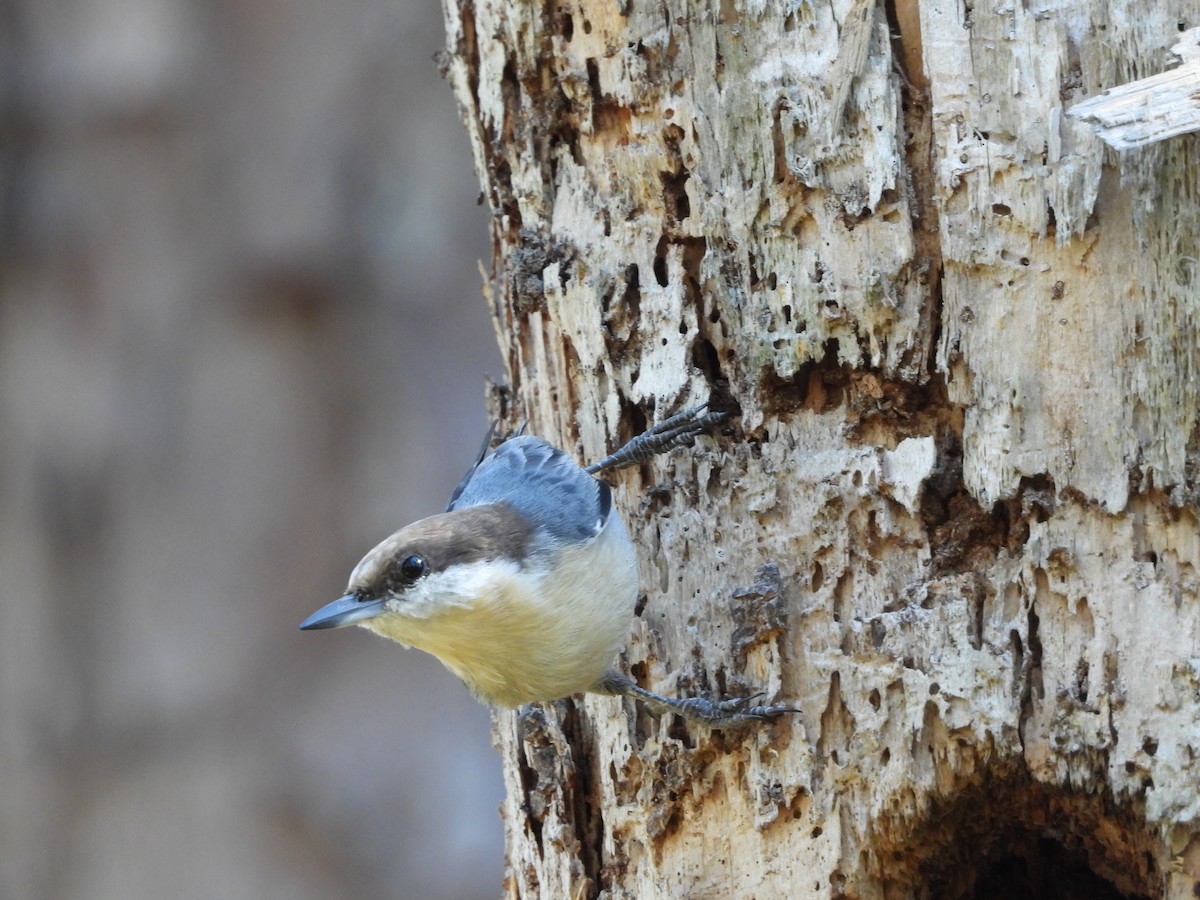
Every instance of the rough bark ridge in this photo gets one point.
(955, 522)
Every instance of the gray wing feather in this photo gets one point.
(466, 479)
(542, 483)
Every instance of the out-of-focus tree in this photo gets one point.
(239, 327)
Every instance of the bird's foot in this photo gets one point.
(717, 714)
(668, 434)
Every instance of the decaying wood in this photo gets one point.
(954, 521)
(1149, 109)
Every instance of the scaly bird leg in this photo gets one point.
(717, 714)
(666, 435)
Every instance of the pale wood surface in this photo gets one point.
(1149, 109)
(962, 342)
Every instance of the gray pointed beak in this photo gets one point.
(341, 612)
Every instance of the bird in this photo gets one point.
(526, 585)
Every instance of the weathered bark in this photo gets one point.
(955, 520)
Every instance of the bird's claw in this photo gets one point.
(716, 714)
(733, 712)
(666, 435)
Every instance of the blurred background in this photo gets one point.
(241, 340)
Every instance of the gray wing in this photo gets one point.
(543, 484)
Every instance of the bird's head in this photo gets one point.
(433, 565)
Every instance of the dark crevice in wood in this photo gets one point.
(1003, 834)
(817, 385)
(926, 267)
(588, 802)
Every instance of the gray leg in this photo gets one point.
(666, 435)
(713, 713)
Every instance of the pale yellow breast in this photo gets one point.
(536, 638)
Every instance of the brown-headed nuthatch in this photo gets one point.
(525, 586)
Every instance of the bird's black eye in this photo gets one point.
(413, 567)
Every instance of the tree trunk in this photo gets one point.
(953, 521)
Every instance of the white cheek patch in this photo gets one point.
(460, 586)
